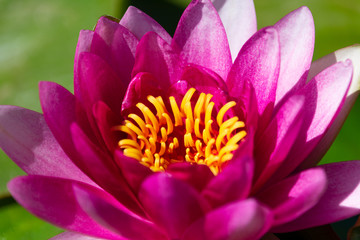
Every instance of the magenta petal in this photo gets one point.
(234, 182)
(353, 53)
(26, 138)
(296, 35)
(134, 172)
(74, 236)
(139, 24)
(171, 204)
(241, 220)
(278, 138)
(324, 96)
(101, 168)
(99, 82)
(53, 200)
(258, 62)
(202, 38)
(120, 46)
(293, 196)
(155, 56)
(196, 175)
(340, 200)
(239, 20)
(114, 216)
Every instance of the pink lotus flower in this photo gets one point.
(211, 134)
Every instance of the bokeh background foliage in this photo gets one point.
(38, 40)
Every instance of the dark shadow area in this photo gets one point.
(6, 201)
(165, 13)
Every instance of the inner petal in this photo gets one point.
(193, 132)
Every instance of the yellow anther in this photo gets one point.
(133, 153)
(149, 155)
(220, 139)
(208, 112)
(228, 123)
(152, 130)
(237, 125)
(169, 123)
(152, 118)
(236, 138)
(223, 110)
(126, 143)
(208, 129)
(139, 122)
(209, 146)
(227, 149)
(125, 129)
(189, 113)
(142, 107)
(171, 148)
(176, 112)
(188, 126)
(157, 160)
(197, 128)
(163, 134)
(186, 99)
(199, 148)
(207, 101)
(158, 107)
(134, 128)
(226, 157)
(162, 148)
(176, 142)
(214, 170)
(212, 160)
(160, 101)
(188, 140)
(199, 105)
(152, 145)
(145, 141)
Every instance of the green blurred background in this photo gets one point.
(38, 40)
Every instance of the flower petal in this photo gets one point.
(99, 82)
(353, 53)
(139, 24)
(53, 200)
(293, 196)
(234, 182)
(26, 138)
(273, 146)
(324, 96)
(297, 36)
(73, 236)
(239, 20)
(114, 216)
(101, 168)
(241, 220)
(340, 200)
(258, 62)
(155, 56)
(171, 204)
(202, 38)
(196, 175)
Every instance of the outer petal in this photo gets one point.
(26, 138)
(74, 236)
(241, 220)
(277, 140)
(102, 169)
(258, 62)
(139, 24)
(297, 36)
(352, 53)
(239, 20)
(53, 199)
(171, 204)
(114, 216)
(202, 38)
(324, 96)
(154, 55)
(99, 82)
(341, 199)
(293, 196)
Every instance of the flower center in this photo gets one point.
(184, 134)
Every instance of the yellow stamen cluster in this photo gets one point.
(154, 139)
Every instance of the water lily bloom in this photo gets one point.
(214, 133)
